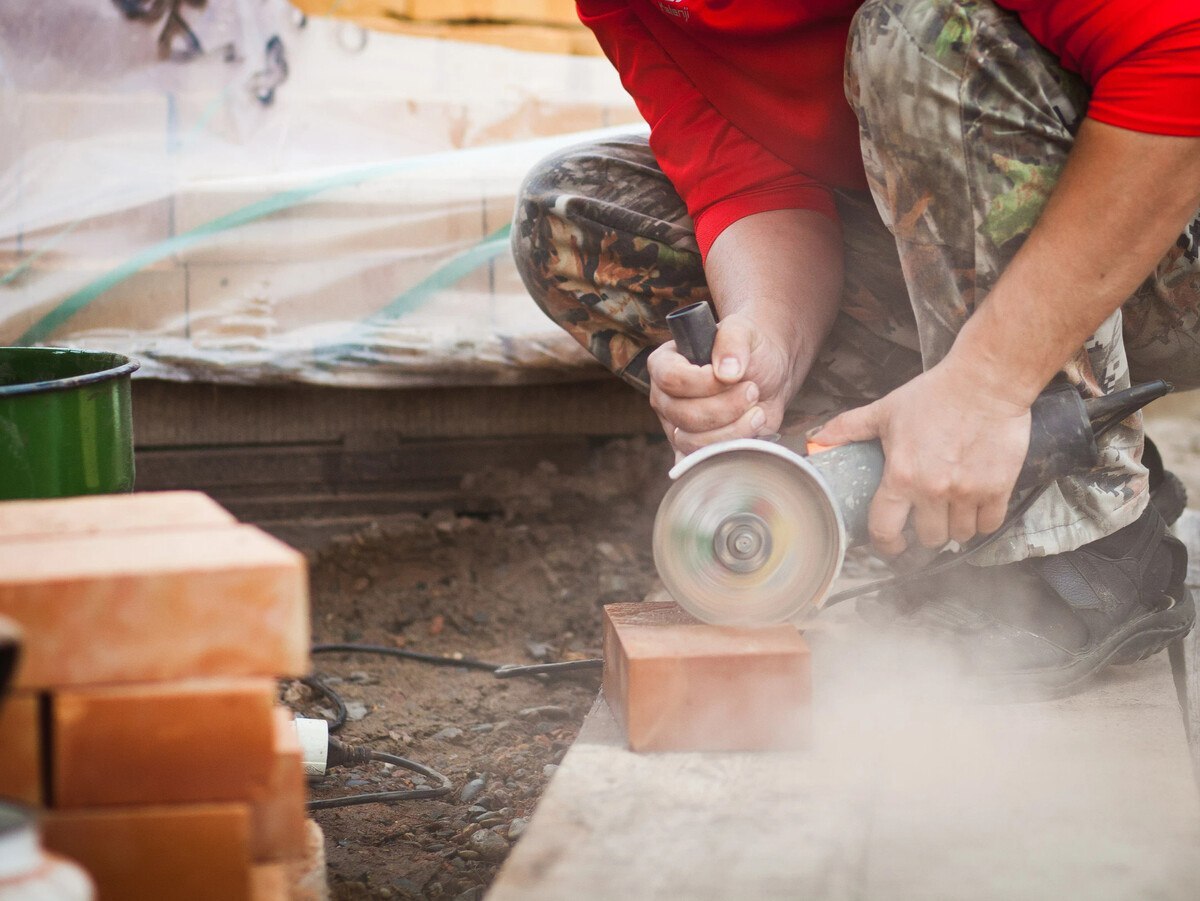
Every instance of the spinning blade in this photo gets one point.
(748, 537)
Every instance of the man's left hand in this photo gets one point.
(952, 456)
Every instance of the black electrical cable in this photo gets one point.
(340, 712)
(404, 654)
(342, 755)
(413, 794)
(510, 670)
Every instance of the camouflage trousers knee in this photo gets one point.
(966, 123)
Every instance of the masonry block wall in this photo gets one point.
(143, 721)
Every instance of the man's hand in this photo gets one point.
(776, 280)
(952, 455)
(741, 394)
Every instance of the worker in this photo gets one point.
(1010, 196)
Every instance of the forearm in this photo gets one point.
(783, 269)
(1122, 200)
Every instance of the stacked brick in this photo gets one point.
(143, 721)
(543, 26)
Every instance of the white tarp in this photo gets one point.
(249, 196)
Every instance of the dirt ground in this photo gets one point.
(523, 586)
(520, 587)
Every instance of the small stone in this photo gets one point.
(539, 650)
(489, 845)
(547, 712)
(517, 828)
(549, 770)
(355, 710)
(614, 584)
(437, 625)
(406, 887)
(471, 790)
(491, 818)
(609, 552)
(450, 733)
(475, 810)
(481, 617)
(362, 677)
(482, 728)
(356, 783)
(361, 584)
(469, 855)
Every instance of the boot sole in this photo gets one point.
(1136, 640)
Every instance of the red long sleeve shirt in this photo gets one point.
(745, 101)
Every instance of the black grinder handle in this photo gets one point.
(694, 330)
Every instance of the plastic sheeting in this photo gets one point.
(232, 193)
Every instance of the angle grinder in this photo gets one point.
(755, 531)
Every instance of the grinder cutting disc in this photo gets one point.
(747, 535)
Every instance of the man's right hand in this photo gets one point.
(741, 394)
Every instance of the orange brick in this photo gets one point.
(21, 748)
(307, 875)
(184, 853)
(156, 606)
(269, 882)
(163, 743)
(677, 684)
(110, 513)
(277, 819)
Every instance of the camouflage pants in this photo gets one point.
(966, 123)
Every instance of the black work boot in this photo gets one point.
(1042, 627)
(1167, 492)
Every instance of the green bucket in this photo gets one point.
(66, 423)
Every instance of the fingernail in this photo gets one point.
(751, 393)
(730, 368)
(757, 420)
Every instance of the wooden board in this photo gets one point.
(907, 793)
(1186, 653)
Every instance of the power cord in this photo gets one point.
(323, 751)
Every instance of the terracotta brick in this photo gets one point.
(677, 684)
(156, 606)
(160, 743)
(269, 882)
(277, 818)
(307, 875)
(21, 748)
(184, 853)
(148, 511)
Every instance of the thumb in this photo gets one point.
(731, 350)
(861, 424)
